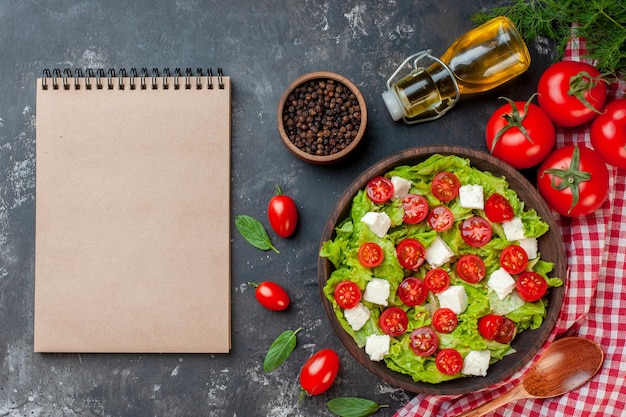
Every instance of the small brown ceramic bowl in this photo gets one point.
(322, 117)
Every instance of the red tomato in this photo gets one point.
(319, 372)
(572, 93)
(574, 180)
(498, 209)
(444, 320)
(393, 321)
(423, 341)
(476, 231)
(531, 286)
(608, 133)
(437, 280)
(411, 254)
(449, 361)
(499, 328)
(371, 254)
(520, 133)
(415, 208)
(271, 295)
(282, 214)
(514, 259)
(412, 291)
(440, 218)
(470, 268)
(379, 189)
(347, 294)
(445, 186)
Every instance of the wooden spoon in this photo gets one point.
(566, 365)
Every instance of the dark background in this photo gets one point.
(263, 45)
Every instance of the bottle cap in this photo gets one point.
(393, 105)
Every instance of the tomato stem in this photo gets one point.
(570, 178)
(582, 82)
(514, 119)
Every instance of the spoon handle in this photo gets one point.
(515, 394)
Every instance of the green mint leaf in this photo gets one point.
(253, 231)
(280, 349)
(353, 406)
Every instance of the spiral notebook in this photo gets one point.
(132, 246)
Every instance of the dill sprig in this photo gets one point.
(602, 23)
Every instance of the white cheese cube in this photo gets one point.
(476, 363)
(438, 252)
(501, 282)
(357, 316)
(513, 229)
(472, 197)
(379, 223)
(454, 298)
(377, 346)
(401, 186)
(529, 244)
(377, 291)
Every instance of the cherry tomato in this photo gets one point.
(412, 291)
(608, 133)
(520, 133)
(415, 208)
(499, 328)
(282, 214)
(347, 294)
(437, 280)
(440, 218)
(531, 286)
(572, 93)
(271, 295)
(476, 231)
(449, 361)
(574, 180)
(393, 321)
(371, 254)
(445, 186)
(423, 341)
(444, 320)
(514, 259)
(411, 253)
(498, 209)
(319, 372)
(379, 189)
(470, 268)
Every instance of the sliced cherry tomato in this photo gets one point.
(393, 321)
(498, 209)
(608, 133)
(445, 186)
(437, 280)
(415, 208)
(444, 320)
(379, 189)
(476, 231)
(499, 328)
(531, 286)
(271, 295)
(371, 254)
(412, 291)
(449, 361)
(411, 254)
(514, 259)
(282, 214)
(423, 341)
(347, 294)
(319, 372)
(471, 268)
(440, 218)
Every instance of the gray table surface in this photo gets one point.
(263, 45)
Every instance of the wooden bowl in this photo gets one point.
(527, 343)
(288, 132)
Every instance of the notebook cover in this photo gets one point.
(133, 219)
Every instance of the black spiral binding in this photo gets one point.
(58, 79)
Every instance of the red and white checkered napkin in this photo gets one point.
(594, 304)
